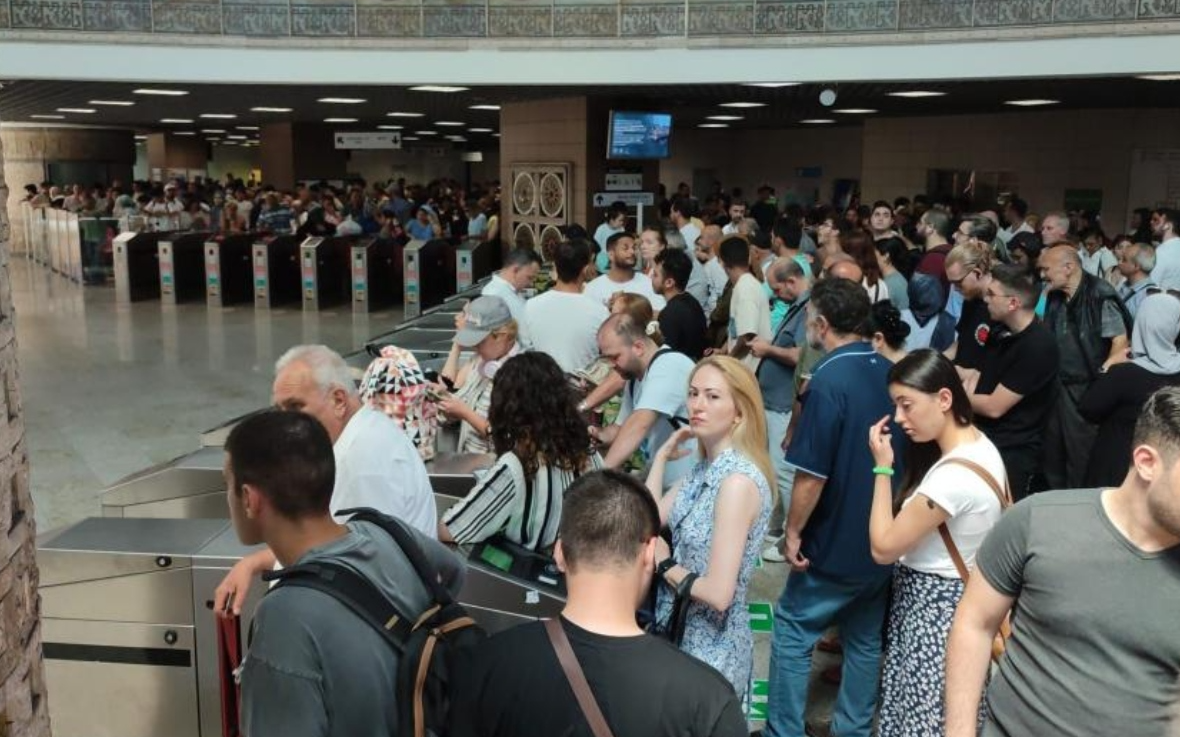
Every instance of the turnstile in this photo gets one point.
(428, 275)
(182, 267)
(324, 270)
(137, 266)
(229, 279)
(475, 259)
(276, 271)
(376, 273)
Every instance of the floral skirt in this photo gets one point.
(913, 681)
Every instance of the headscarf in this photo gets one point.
(926, 298)
(1153, 340)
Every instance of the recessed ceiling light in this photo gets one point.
(342, 100)
(229, 143)
(484, 107)
(340, 120)
(80, 110)
(1030, 103)
(162, 93)
(48, 117)
(917, 93)
(270, 109)
(405, 115)
(495, 135)
(713, 125)
(426, 133)
(817, 121)
(212, 130)
(855, 111)
(246, 127)
(238, 138)
(456, 139)
(409, 138)
(1160, 77)
(112, 103)
(479, 130)
(437, 88)
(771, 85)
(218, 116)
(450, 123)
(141, 138)
(743, 104)
(725, 117)
(176, 120)
(184, 133)
(389, 127)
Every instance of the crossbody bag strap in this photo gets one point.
(577, 679)
(1001, 493)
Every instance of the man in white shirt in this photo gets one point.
(715, 278)
(683, 211)
(1014, 215)
(622, 277)
(737, 213)
(1166, 273)
(563, 322)
(615, 222)
(749, 309)
(1096, 258)
(376, 463)
(520, 270)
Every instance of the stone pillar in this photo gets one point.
(23, 709)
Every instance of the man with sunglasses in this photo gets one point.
(968, 269)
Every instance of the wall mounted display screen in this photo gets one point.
(638, 135)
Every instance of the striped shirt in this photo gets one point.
(526, 510)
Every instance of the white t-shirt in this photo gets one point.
(749, 312)
(878, 292)
(717, 280)
(564, 325)
(377, 466)
(603, 288)
(663, 390)
(690, 233)
(499, 287)
(970, 502)
(1100, 263)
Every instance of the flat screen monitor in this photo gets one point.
(638, 135)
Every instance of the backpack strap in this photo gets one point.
(577, 679)
(1003, 494)
(676, 421)
(409, 547)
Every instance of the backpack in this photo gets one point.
(429, 643)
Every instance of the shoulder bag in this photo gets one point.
(577, 679)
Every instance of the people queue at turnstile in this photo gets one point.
(891, 460)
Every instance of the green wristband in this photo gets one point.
(882, 470)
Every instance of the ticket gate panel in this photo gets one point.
(276, 271)
(325, 271)
(375, 272)
(137, 270)
(182, 268)
(189, 487)
(229, 277)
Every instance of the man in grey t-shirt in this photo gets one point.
(314, 668)
(1092, 578)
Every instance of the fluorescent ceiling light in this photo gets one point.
(140, 138)
(914, 94)
(484, 107)
(389, 127)
(405, 115)
(48, 117)
(743, 104)
(184, 133)
(713, 125)
(855, 111)
(725, 117)
(1160, 77)
(238, 138)
(213, 130)
(80, 110)
(426, 133)
(457, 139)
(246, 127)
(437, 88)
(771, 85)
(112, 103)
(270, 109)
(495, 135)
(817, 121)
(176, 120)
(1030, 103)
(339, 120)
(212, 139)
(479, 130)
(218, 116)
(342, 100)
(409, 138)
(162, 93)
(450, 123)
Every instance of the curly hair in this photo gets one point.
(534, 413)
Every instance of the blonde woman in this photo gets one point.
(717, 515)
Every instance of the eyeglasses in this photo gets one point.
(963, 278)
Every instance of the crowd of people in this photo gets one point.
(939, 421)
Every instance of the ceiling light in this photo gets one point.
(270, 109)
(854, 111)
(176, 120)
(81, 110)
(1030, 103)
(457, 139)
(141, 138)
(914, 94)
(211, 139)
(1160, 77)
(817, 121)
(495, 135)
(229, 143)
(713, 125)
(405, 115)
(484, 107)
(743, 104)
(218, 116)
(339, 120)
(184, 133)
(238, 138)
(163, 93)
(771, 85)
(724, 117)
(212, 130)
(409, 138)
(389, 127)
(246, 127)
(426, 133)
(112, 103)
(437, 88)
(342, 100)
(479, 130)
(450, 123)
(48, 117)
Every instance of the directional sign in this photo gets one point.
(631, 199)
(761, 616)
(379, 139)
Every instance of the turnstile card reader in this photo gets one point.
(412, 279)
(228, 270)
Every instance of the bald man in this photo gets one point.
(1091, 326)
(715, 278)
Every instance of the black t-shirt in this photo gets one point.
(682, 323)
(974, 327)
(1026, 363)
(513, 686)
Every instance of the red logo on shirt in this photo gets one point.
(981, 333)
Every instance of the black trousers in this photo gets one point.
(1068, 440)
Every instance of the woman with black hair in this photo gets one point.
(893, 256)
(887, 331)
(542, 446)
(952, 493)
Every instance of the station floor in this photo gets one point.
(109, 390)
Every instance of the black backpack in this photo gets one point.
(428, 643)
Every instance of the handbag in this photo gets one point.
(1000, 643)
(673, 629)
(577, 679)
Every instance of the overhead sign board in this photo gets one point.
(624, 181)
(631, 199)
(379, 139)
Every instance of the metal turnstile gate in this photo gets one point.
(276, 271)
(228, 276)
(182, 267)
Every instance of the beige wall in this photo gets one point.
(236, 160)
(420, 166)
(546, 131)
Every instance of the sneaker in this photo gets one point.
(773, 554)
(772, 537)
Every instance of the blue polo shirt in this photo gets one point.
(848, 392)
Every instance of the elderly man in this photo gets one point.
(376, 463)
(1091, 327)
(1136, 264)
(706, 254)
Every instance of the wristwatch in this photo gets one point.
(664, 566)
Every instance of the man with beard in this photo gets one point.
(622, 276)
